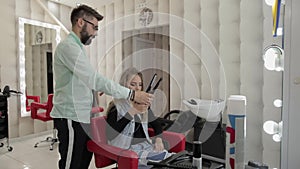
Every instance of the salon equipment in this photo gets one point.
(256, 165)
(4, 132)
(236, 132)
(213, 147)
(149, 88)
(205, 118)
(197, 154)
(183, 160)
(215, 144)
(210, 110)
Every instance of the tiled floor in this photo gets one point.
(25, 156)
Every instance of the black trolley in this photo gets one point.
(4, 133)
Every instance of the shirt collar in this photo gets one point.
(72, 34)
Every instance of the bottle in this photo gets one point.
(197, 154)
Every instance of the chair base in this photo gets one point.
(47, 140)
(51, 140)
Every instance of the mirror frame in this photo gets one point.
(22, 73)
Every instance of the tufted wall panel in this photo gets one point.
(191, 55)
(251, 70)
(177, 53)
(210, 68)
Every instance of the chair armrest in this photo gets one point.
(175, 140)
(39, 105)
(35, 107)
(97, 109)
(126, 159)
(34, 98)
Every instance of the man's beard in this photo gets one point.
(85, 39)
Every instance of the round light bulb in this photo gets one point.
(270, 2)
(274, 58)
(277, 103)
(277, 137)
(270, 127)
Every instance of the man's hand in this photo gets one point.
(143, 97)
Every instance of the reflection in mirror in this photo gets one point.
(37, 40)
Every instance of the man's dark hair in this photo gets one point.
(84, 11)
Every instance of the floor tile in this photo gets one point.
(25, 156)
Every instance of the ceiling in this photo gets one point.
(93, 3)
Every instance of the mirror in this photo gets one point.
(37, 40)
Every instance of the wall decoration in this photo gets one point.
(145, 16)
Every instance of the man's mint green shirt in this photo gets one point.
(74, 80)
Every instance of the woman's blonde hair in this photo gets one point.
(128, 74)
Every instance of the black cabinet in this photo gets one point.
(4, 121)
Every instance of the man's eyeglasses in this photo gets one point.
(95, 27)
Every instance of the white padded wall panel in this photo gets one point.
(229, 11)
(251, 29)
(101, 48)
(192, 76)
(54, 8)
(192, 9)
(210, 68)
(109, 40)
(37, 13)
(163, 9)
(119, 27)
(177, 53)
(109, 27)
(129, 10)
(64, 16)
(22, 8)
(191, 49)
(229, 17)
(210, 20)
(8, 52)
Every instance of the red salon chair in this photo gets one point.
(29, 100)
(105, 154)
(41, 111)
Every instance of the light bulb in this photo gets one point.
(279, 31)
(277, 103)
(269, 2)
(273, 58)
(276, 137)
(270, 127)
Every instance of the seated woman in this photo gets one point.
(128, 124)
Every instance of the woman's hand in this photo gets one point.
(158, 146)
